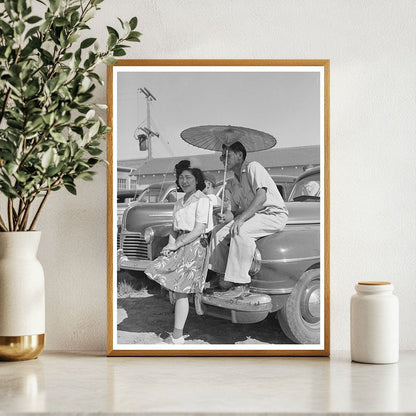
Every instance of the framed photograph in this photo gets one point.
(218, 208)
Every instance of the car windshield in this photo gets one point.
(307, 189)
(157, 194)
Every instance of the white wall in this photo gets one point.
(371, 45)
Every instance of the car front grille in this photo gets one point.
(134, 247)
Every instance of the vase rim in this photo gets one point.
(20, 232)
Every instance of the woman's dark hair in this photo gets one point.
(197, 173)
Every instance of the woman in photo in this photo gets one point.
(182, 266)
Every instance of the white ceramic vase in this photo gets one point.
(374, 323)
(22, 296)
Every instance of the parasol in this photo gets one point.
(214, 137)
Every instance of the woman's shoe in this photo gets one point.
(171, 340)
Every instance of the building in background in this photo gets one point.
(137, 173)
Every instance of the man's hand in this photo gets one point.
(235, 228)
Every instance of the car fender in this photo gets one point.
(285, 256)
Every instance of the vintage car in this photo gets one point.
(124, 198)
(284, 184)
(163, 192)
(285, 270)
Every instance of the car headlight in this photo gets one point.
(256, 264)
(148, 235)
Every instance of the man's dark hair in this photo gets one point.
(237, 147)
(197, 174)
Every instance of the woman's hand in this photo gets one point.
(169, 248)
(226, 216)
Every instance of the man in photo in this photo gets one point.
(257, 210)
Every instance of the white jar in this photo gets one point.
(374, 323)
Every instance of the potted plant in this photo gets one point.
(50, 135)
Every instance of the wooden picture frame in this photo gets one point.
(288, 99)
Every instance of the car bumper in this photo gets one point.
(248, 309)
(124, 263)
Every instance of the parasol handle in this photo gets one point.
(225, 175)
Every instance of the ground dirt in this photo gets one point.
(145, 316)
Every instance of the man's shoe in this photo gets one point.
(224, 285)
(235, 292)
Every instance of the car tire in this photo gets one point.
(300, 316)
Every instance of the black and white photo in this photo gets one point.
(218, 208)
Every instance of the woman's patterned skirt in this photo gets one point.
(183, 271)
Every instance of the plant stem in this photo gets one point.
(39, 209)
(10, 213)
(32, 149)
(9, 91)
(26, 216)
(18, 215)
(21, 213)
(2, 224)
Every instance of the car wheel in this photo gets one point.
(300, 316)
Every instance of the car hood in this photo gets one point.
(303, 212)
(142, 215)
(139, 216)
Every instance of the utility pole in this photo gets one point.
(145, 134)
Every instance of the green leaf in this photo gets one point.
(47, 158)
(86, 176)
(54, 4)
(94, 151)
(94, 129)
(21, 177)
(6, 29)
(67, 153)
(121, 22)
(21, 6)
(33, 19)
(134, 37)
(110, 60)
(10, 8)
(61, 21)
(73, 38)
(74, 18)
(48, 118)
(111, 30)
(20, 28)
(60, 138)
(133, 23)
(11, 168)
(70, 188)
(112, 41)
(90, 115)
(119, 52)
(35, 125)
(31, 32)
(87, 42)
(52, 171)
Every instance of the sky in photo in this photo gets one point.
(283, 104)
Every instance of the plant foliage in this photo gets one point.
(50, 133)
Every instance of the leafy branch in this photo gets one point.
(50, 134)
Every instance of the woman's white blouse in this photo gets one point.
(198, 208)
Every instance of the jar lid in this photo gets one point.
(374, 283)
